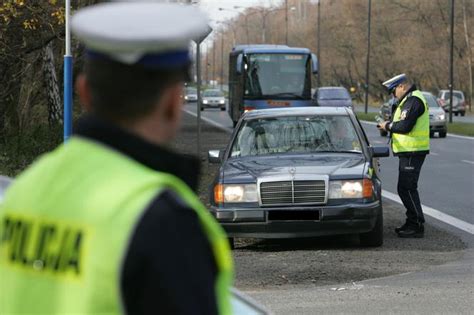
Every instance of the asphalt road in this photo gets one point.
(447, 178)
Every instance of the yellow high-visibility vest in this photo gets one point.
(418, 139)
(65, 224)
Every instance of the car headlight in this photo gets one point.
(186, 97)
(342, 189)
(222, 102)
(441, 117)
(235, 193)
(204, 101)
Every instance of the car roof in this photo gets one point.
(296, 111)
(444, 91)
(332, 88)
(270, 49)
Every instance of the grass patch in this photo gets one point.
(459, 128)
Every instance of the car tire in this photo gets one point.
(431, 134)
(456, 113)
(373, 238)
(383, 133)
(202, 109)
(442, 134)
(463, 113)
(231, 242)
(222, 108)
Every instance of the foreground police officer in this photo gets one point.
(108, 223)
(410, 129)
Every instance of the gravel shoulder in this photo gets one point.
(324, 260)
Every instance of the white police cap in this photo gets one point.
(392, 83)
(153, 34)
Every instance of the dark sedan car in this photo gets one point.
(333, 96)
(299, 172)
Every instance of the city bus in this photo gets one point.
(269, 76)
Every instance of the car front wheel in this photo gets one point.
(442, 134)
(463, 113)
(373, 238)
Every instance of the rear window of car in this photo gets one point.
(308, 134)
(191, 91)
(445, 95)
(333, 94)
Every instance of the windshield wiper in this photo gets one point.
(338, 151)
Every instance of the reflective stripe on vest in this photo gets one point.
(65, 225)
(418, 139)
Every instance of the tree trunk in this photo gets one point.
(28, 86)
(52, 88)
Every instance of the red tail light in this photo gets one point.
(248, 108)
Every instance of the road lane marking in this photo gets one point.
(449, 134)
(466, 161)
(446, 218)
(209, 121)
(433, 153)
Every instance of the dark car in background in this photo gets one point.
(438, 121)
(299, 172)
(332, 96)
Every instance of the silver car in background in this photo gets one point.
(438, 121)
(213, 99)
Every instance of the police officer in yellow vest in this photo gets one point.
(108, 223)
(410, 130)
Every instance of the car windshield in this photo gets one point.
(333, 94)
(307, 134)
(431, 100)
(277, 76)
(191, 91)
(213, 93)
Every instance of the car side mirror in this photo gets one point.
(238, 65)
(215, 156)
(314, 64)
(380, 151)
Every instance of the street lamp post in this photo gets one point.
(222, 61)
(319, 43)
(286, 21)
(368, 60)
(451, 65)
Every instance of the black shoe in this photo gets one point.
(412, 232)
(401, 228)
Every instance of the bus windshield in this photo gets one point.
(285, 76)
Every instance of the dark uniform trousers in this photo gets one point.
(408, 174)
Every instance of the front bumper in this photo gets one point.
(438, 125)
(332, 220)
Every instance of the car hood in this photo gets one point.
(436, 111)
(213, 98)
(248, 169)
(335, 103)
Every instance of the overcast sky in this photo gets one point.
(211, 7)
